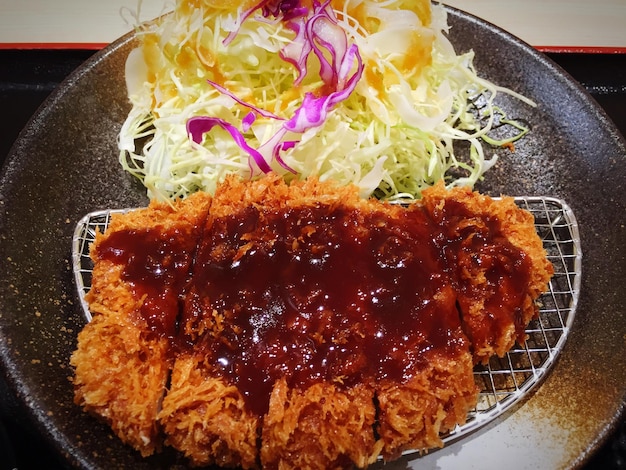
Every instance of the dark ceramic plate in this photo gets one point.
(64, 164)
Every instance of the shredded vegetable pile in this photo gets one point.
(359, 91)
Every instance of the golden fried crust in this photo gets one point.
(121, 369)
(206, 418)
(495, 313)
(183, 214)
(271, 192)
(321, 427)
(414, 414)
(120, 375)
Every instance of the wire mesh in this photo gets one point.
(504, 381)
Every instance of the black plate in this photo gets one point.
(64, 164)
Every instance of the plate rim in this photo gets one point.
(43, 423)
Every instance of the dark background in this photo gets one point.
(27, 77)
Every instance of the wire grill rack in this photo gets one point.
(504, 381)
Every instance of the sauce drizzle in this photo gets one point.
(320, 293)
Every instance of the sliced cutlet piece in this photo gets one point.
(425, 384)
(319, 427)
(123, 359)
(498, 262)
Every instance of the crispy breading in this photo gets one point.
(120, 375)
(321, 427)
(495, 301)
(121, 366)
(206, 419)
(414, 414)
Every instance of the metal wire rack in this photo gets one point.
(504, 381)
(84, 236)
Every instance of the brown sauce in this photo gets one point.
(312, 293)
(475, 244)
(156, 265)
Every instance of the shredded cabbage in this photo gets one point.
(358, 91)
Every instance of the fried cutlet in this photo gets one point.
(206, 418)
(123, 361)
(314, 328)
(497, 262)
(319, 427)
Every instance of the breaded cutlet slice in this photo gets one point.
(320, 427)
(122, 360)
(206, 418)
(413, 415)
(498, 261)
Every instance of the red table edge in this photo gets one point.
(52, 45)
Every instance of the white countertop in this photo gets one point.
(545, 24)
(556, 24)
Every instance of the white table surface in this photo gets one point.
(598, 25)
